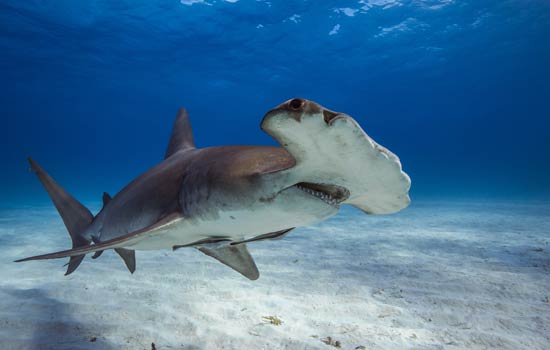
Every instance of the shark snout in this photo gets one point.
(336, 159)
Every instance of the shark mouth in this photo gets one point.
(330, 194)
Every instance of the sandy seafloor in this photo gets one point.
(440, 275)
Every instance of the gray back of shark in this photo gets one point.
(218, 199)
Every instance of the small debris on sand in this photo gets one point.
(332, 342)
(153, 347)
(274, 320)
(93, 339)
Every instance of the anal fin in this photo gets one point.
(236, 257)
(129, 257)
(95, 240)
(74, 262)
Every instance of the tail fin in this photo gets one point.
(75, 216)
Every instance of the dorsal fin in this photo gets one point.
(106, 198)
(182, 135)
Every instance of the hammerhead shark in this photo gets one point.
(218, 199)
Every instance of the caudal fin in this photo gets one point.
(75, 216)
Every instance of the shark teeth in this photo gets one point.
(321, 195)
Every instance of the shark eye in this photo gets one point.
(296, 104)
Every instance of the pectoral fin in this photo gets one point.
(236, 257)
(129, 257)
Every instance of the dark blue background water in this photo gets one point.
(458, 89)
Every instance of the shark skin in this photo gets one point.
(217, 199)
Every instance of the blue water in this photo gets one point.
(458, 89)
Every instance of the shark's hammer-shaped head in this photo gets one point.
(336, 161)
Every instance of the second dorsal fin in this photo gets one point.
(106, 199)
(182, 135)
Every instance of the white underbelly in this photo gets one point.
(288, 210)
